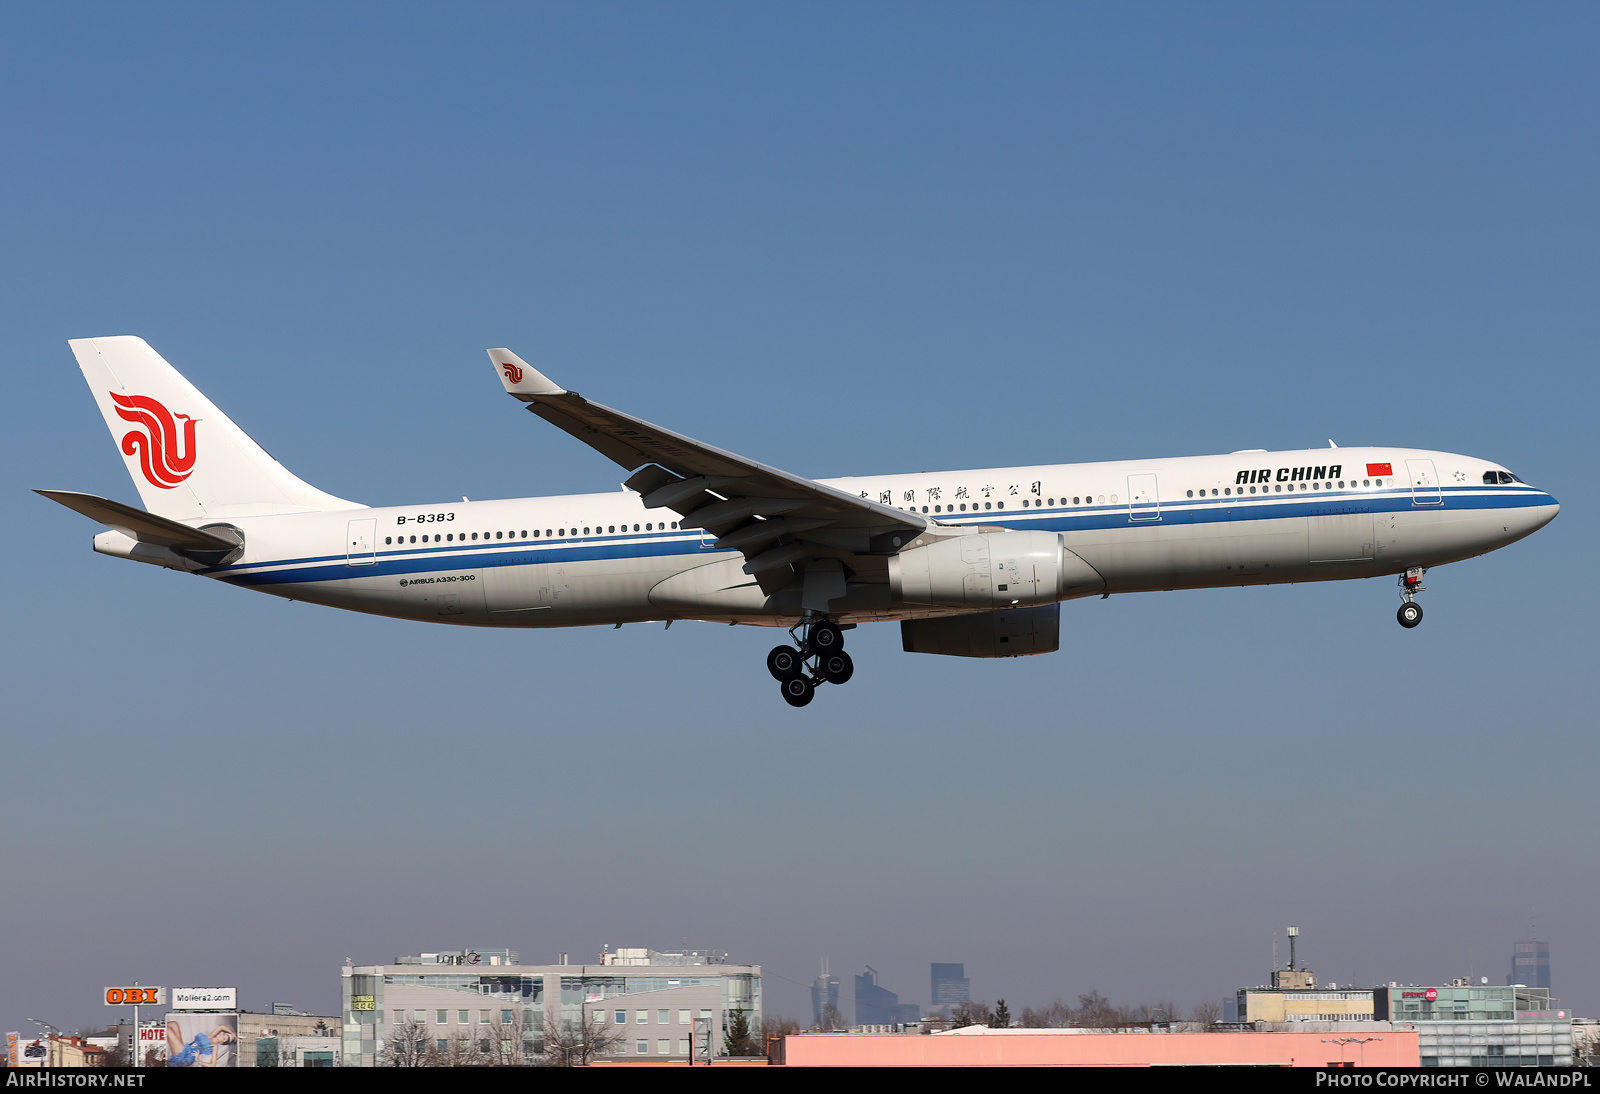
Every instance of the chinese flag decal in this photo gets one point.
(1377, 470)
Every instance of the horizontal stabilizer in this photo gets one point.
(142, 526)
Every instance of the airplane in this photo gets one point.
(970, 563)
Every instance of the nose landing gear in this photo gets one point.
(1410, 613)
(819, 659)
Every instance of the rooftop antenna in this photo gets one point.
(1274, 955)
(1294, 933)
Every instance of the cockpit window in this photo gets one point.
(1500, 478)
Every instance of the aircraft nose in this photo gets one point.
(1536, 517)
(1549, 511)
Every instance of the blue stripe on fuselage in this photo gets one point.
(1083, 518)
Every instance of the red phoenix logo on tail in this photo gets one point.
(164, 462)
(513, 372)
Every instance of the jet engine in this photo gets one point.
(992, 570)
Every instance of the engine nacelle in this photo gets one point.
(1012, 632)
(993, 570)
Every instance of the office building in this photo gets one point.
(1327, 1004)
(1530, 964)
(824, 999)
(1477, 1025)
(878, 1006)
(485, 1002)
(950, 985)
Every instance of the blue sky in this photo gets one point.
(840, 239)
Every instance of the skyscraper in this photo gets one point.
(1530, 964)
(878, 1006)
(824, 997)
(950, 985)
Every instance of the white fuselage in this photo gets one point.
(1248, 518)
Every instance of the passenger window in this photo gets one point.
(388, 539)
(988, 505)
(635, 527)
(1075, 500)
(536, 533)
(413, 539)
(1227, 490)
(586, 531)
(999, 505)
(611, 529)
(674, 524)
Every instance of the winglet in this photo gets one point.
(520, 378)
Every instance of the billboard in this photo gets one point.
(22, 1051)
(198, 1039)
(205, 998)
(152, 1044)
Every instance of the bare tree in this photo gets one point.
(1207, 1014)
(505, 1040)
(831, 1018)
(575, 1043)
(1055, 1016)
(1096, 1012)
(459, 1049)
(971, 1014)
(405, 1046)
(776, 1028)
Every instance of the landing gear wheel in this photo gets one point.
(826, 638)
(785, 663)
(798, 691)
(1409, 615)
(836, 668)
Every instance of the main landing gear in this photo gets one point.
(819, 659)
(1410, 613)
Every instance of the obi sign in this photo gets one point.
(136, 997)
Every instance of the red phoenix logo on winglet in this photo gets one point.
(513, 373)
(161, 459)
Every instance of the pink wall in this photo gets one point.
(1059, 1048)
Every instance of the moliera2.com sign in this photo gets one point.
(205, 998)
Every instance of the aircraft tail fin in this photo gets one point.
(187, 458)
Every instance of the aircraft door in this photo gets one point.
(1424, 483)
(361, 543)
(1144, 503)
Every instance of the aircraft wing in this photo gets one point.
(780, 522)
